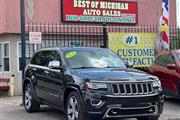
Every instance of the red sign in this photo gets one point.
(103, 11)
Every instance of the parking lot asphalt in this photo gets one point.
(11, 109)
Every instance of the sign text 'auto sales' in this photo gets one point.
(100, 11)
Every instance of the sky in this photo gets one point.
(178, 12)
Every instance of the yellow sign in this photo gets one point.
(138, 48)
(71, 54)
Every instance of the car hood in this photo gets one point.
(111, 74)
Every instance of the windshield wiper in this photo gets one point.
(112, 67)
(84, 67)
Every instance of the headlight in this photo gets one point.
(96, 86)
(157, 85)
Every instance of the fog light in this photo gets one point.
(151, 110)
(96, 103)
(114, 112)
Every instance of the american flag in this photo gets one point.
(164, 24)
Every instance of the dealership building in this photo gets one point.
(68, 12)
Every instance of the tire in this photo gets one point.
(30, 103)
(149, 118)
(74, 109)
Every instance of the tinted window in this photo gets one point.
(36, 59)
(87, 58)
(171, 59)
(157, 60)
(165, 59)
(44, 57)
(50, 56)
(161, 60)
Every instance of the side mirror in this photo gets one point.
(54, 65)
(129, 64)
(171, 66)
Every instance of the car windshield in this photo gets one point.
(92, 58)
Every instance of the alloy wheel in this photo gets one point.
(28, 98)
(72, 109)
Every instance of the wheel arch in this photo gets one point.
(26, 82)
(70, 89)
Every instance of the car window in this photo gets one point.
(157, 59)
(44, 57)
(50, 56)
(161, 60)
(100, 58)
(36, 59)
(171, 59)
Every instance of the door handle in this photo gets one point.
(46, 72)
(34, 69)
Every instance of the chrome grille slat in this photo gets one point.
(139, 89)
(142, 88)
(147, 87)
(151, 88)
(125, 91)
(136, 89)
(132, 88)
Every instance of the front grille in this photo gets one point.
(132, 88)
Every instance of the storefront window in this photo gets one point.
(1, 58)
(4, 56)
(30, 48)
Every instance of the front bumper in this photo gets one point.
(117, 111)
(106, 106)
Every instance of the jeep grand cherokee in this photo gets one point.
(90, 83)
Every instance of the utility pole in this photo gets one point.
(23, 40)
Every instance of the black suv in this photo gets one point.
(90, 83)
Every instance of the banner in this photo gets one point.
(164, 24)
(138, 48)
(99, 11)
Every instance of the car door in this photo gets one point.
(54, 79)
(158, 68)
(171, 75)
(37, 73)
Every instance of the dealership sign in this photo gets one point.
(138, 48)
(100, 11)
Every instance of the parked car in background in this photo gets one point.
(167, 68)
(90, 83)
